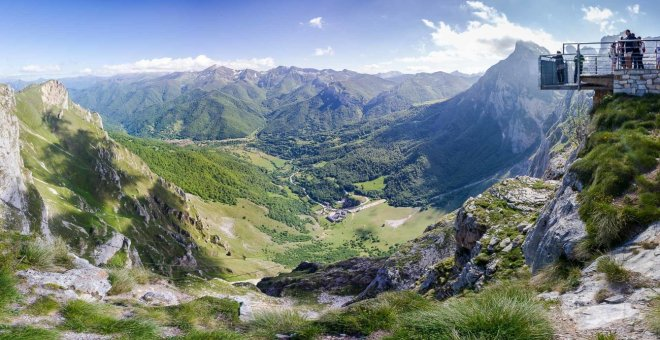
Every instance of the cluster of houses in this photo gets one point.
(337, 215)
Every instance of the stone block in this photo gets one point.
(649, 82)
(625, 76)
(641, 86)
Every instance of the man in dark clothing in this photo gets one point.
(638, 54)
(579, 62)
(561, 67)
(628, 48)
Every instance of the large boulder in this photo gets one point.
(558, 229)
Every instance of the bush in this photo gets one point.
(44, 305)
(122, 281)
(61, 255)
(268, 325)
(501, 312)
(81, 316)
(614, 272)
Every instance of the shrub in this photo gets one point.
(81, 316)
(122, 281)
(268, 325)
(614, 272)
(26, 333)
(499, 312)
(605, 336)
(44, 305)
(118, 260)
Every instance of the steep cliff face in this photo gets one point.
(13, 192)
(102, 199)
(559, 228)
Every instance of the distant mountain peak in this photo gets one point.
(529, 46)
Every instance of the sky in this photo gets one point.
(51, 39)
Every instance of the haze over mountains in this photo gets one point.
(434, 138)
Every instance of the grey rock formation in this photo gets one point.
(413, 261)
(13, 202)
(103, 253)
(558, 229)
(86, 281)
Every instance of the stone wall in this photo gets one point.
(637, 82)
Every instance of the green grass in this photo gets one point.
(81, 316)
(27, 333)
(36, 253)
(561, 276)
(614, 272)
(501, 312)
(8, 292)
(377, 184)
(653, 316)
(205, 313)
(620, 195)
(211, 335)
(121, 280)
(267, 325)
(44, 305)
(381, 313)
(118, 260)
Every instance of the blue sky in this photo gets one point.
(65, 38)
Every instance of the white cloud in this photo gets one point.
(319, 52)
(633, 9)
(184, 64)
(316, 22)
(604, 17)
(86, 71)
(43, 69)
(487, 39)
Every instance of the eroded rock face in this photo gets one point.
(103, 253)
(13, 202)
(413, 261)
(54, 97)
(558, 229)
(342, 278)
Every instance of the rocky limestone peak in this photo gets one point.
(55, 96)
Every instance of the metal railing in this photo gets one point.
(592, 59)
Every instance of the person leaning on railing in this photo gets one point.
(614, 56)
(561, 66)
(638, 54)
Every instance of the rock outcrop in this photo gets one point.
(558, 229)
(13, 191)
(347, 277)
(413, 261)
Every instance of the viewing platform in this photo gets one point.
(599, 67)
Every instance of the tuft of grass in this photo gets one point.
(561, 276)
(61, 255)
(121, 280)
(36, 253)
(602, 294)
(203, 313)
(212, 335)
(142, 275)
(500, 312)
(268, 325)
(614, 272)
(606, 336)
(366, 317)
(27, 333)
(81, 316)
(118, 260)
(44, 305)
